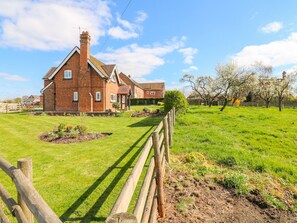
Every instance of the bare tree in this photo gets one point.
(233, 81)
(205, 86)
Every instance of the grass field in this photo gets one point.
(80, 181)
(256, 145)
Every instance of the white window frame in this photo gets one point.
(67, 74)
(98, 96)
(152, 93)
(113, 98)
(75, 96)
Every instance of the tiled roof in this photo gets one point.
(133, 81)
(108, 68)
(49, 73)
(152, 86)
(124, 90)
(99, 65)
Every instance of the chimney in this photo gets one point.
(85, 40)
(284, 75)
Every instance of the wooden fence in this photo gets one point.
(150, 201)
(29, 203)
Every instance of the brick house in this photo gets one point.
(82, 83)
(144, 90)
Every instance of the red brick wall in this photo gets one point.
(111, 88)
(138, 92)
(98, 84)
(158, 94)
(49, 97)
(65, 88)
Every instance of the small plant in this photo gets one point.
(234, 181)
(228, 161)
(146, 110)
(185, 204)
(160, 103)
(81, 129)
(116, 106)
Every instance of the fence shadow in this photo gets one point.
(91, 214)
(149, 121)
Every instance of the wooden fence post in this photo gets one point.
(25, 165)
(169, 128)
(173, 113)
(159, 175)
(166, 140)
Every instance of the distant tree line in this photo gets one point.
(232, 83)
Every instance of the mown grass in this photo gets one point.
(257, 142)
(80, 181)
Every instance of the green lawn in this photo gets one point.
(80, 181)
(258, 142)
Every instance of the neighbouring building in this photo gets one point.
(144, 90)
(82, 83)
(31, 100)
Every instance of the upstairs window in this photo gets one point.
(67, 74)
(98, 96)
(112, 98)
(152, 93)
(75, 96)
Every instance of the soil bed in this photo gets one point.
(191, 200)
(80, 138)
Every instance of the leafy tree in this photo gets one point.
(265, 87)
(175, 99)
(205, 86)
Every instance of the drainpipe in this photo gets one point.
(91, 101)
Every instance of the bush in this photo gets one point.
(160, 103)
(175, 99)
(116, 105)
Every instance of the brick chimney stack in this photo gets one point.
(84, 80)
(85, 40)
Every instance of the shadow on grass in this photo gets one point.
(149, 121)
(91, 213)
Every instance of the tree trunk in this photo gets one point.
(279, 104)
(224, 105)
(267, 104)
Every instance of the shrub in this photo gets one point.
(160, 103)
(116, 105)
(175, 99)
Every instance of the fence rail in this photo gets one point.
(150, 201)
(30, 204)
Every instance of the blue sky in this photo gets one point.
(153, 41)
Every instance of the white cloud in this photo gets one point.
(141, 16)
(190, 69)
(12, 77)
(276, 53)
(127, 30)
(51, 25)
(140, 60)
(272, 27)
(188, 54)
